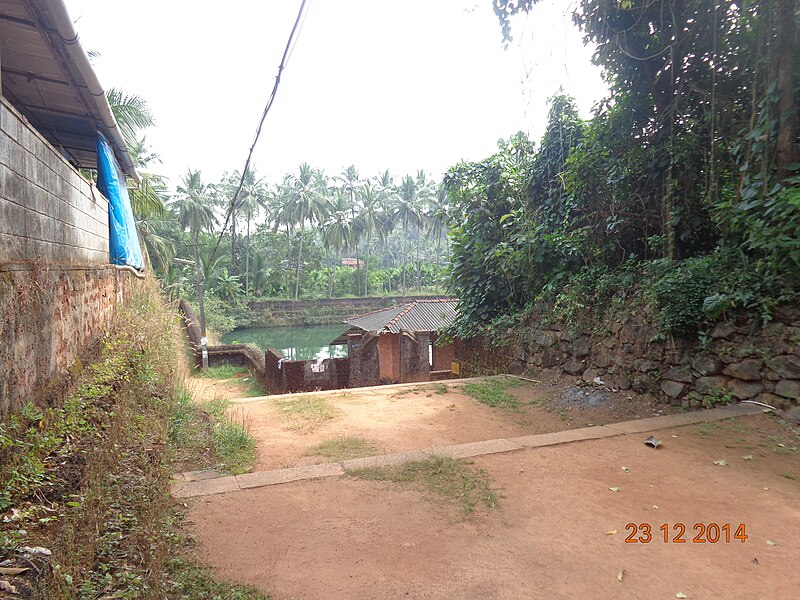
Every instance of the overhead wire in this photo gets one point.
(288, 50)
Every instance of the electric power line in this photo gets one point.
(281, 67)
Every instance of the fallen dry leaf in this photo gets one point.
(681, 595)
(620, 575)
(721, 463)
(614, 489)
(771, 543)
(7, 587)
(748, 457)
(611, 532)
(13, 570)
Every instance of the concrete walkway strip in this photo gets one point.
(262, 478)
(476, 448)
(193, 483)
(563, 437)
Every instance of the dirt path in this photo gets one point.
(396, 419)
(345, 538)
(205, 389)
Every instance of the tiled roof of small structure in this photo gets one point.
(421, 315)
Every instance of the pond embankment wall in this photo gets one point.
(325, 311)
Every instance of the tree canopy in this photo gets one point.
(691, 157)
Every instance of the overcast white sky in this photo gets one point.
(398, 85)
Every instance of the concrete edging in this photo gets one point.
(194, 483)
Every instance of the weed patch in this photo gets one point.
(87, 477)
(493, 392)
(191, 581)
(223, 372)
(305, 411)
(454, 482)
(197, 428)
(343, 448)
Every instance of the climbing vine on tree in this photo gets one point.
(694, 153)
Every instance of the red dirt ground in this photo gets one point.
(396, 419)
(347, 538)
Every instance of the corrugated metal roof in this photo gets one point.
(47, 76)
(422, 315)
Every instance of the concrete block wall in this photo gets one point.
(47, 209)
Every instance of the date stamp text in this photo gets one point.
(679, 533)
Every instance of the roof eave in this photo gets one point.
(63, 25)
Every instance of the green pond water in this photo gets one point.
(295, 343)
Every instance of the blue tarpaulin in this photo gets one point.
(123, 241)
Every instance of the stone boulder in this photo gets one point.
(679, 374)
(603, 357)
(544, 338)
(673, 389)
(744, 390)
(574, 367)
(711, 384)
(706, 364)
(788, 389)
(787, 366)
(581, 348)
(747, 370)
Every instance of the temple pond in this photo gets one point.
(295, 343)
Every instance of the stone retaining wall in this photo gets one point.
(734, 361)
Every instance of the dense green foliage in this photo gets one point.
(686, 175)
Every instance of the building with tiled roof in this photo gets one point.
(406, 339)
(420, 315)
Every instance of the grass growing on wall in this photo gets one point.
(88, 477)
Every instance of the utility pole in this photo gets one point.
(199, 284)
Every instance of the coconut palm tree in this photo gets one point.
(409, 211)
(437, 218)
(157, 234)
(373, 219)
(340, 230)
(261, 273)
(351, 185)
(305, 204)
(131, 113)
(147, 197)
(192, 205)
(252, 199)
